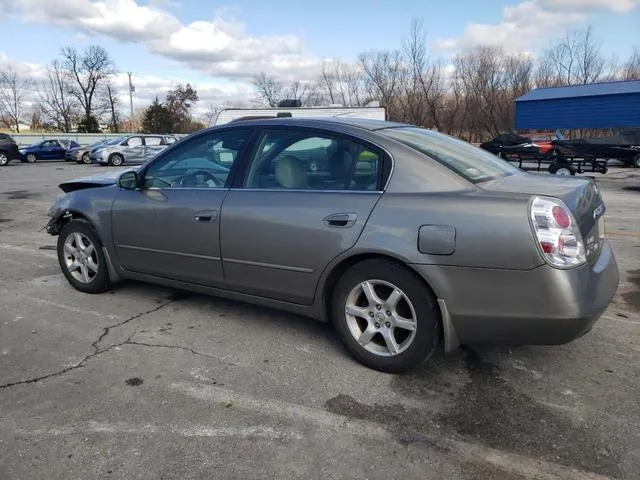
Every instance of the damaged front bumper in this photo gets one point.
(57, 214)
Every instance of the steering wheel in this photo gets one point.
(199, 178)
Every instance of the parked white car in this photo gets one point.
(132, 149)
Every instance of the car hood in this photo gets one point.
(93, 181)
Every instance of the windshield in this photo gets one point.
(472, 163)
(114, 141)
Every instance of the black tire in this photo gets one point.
(116, 160)
(636, 161)
(85, 158)
(561, 167)
(31, 158)
(4, 159)
(427, 331)
(100, 281)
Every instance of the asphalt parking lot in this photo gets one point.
(145, 382)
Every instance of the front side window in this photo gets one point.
(204, 162)
(134, 142)
(468, 161)
(305, 160)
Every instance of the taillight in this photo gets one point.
(557, 232)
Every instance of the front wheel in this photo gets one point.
(116, 160)
(81, 258)
(385, 316)
(85, 158)
(31, 158)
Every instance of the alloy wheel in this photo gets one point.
(80, 257)
(381, 317)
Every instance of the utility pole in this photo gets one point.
(131, 90)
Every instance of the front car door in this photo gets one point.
(133, 150)
(304, 199)
(169, 227)
(50, 149)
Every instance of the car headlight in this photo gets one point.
(22, 151)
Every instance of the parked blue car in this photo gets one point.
(54, 149)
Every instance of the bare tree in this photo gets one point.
(14, 89)
(89, 71)
(382, 77)
(341, 83)
(210, 114)
(269, 89)
(423, 80)
(631, 69)
(576, 59)
(112, 105)
(58, 104)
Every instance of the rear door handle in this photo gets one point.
(342, 220)
(206, 216)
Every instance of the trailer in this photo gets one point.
(557, 162)
(371, 111)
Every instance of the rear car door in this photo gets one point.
(133, 150)
(169, 227)
(303, 199)
(152, 146)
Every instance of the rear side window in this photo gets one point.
(470, 162)
(153, 141)
(306, 160)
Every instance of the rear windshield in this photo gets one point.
(472, 163)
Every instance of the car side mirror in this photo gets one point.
(128, 180)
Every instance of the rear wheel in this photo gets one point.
(116, 160)
(636, 161)
(81, 258)
(385, 316)
(31, 158)
(4, 159)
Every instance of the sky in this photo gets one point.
(219, 46)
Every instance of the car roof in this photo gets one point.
(363, 123)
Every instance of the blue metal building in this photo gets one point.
(599, 105)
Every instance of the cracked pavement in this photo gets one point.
(145, 382)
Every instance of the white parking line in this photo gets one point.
(518, 464)
(32, 251)
(192, 431)
(7, 293)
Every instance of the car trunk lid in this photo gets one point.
(580, 195)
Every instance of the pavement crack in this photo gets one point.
(96, 349)
(106, 330)
(75, 366)
(178, 347)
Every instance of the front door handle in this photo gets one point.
(342, 220)
(206, 216)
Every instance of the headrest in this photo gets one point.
(291, 172)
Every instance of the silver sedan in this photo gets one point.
(402, 237)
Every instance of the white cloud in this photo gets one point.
(220, 46)
(619, 6)
(531, 23)
(147, 87)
